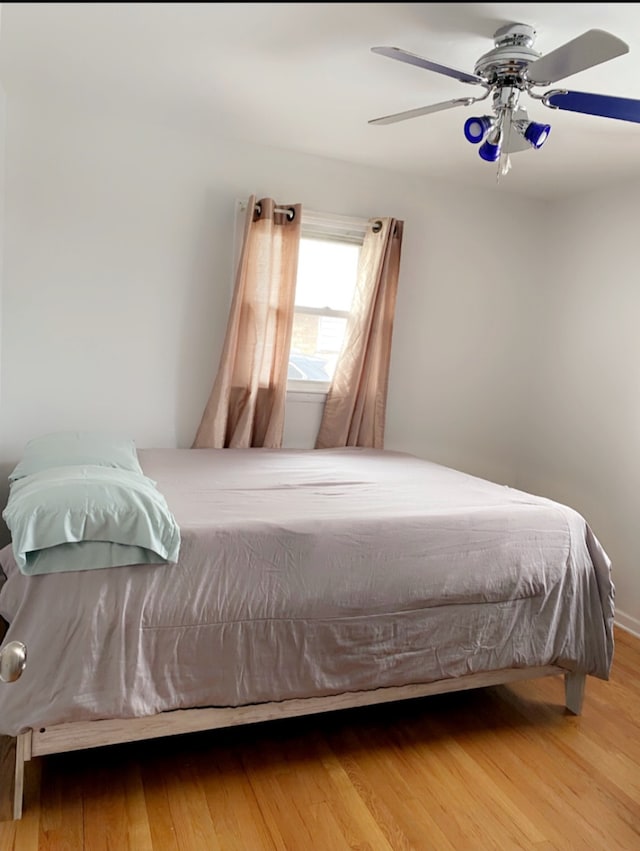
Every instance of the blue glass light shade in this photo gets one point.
(476, 128)
(536, 134)
(489, 151)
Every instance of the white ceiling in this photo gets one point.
(301, 76)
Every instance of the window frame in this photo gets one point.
(332, 227)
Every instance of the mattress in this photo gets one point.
(310, 573)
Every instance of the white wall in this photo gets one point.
(119, 266)
(582, 440)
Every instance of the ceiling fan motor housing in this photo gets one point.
(512, 54)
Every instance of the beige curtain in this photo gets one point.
(247, 402)
(354, 412)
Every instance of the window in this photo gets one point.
(327, 270)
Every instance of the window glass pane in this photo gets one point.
(326, 273)
(315, 345)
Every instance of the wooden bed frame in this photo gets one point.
(78, 735)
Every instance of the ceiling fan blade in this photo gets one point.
(422, 110)
(623, 109)
(412, 59)
(591, 48)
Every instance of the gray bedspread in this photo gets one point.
(307, 573)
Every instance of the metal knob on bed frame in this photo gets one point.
(13, 659)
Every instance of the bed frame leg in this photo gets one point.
(574, 691)
(13, 754)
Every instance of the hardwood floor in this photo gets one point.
(498, 768)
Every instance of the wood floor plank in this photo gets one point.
(105, 814)
(563, 782)
(516, 824)
(267, 773)
(384, 789)
(138, 827)
(190, 814)
(499, 768)
(350, 807)
(8, 836)
(156, 794)
(505, 768)
(237, 819)
(62, 804)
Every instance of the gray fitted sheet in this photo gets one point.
(307, 573)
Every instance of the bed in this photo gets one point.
(306, 581)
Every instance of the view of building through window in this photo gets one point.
(327, 270)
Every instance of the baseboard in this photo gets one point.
(628, 623)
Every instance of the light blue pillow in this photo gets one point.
(66, 505)
(87, 555)
(68, 448)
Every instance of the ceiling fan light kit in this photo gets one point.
(477, 128)
(513, 68)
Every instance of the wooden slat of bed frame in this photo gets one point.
(90, 734)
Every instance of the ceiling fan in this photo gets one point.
(512, 68)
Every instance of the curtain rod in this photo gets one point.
(258, 209)
(243, 206)
(289, 211)
(314, 216)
